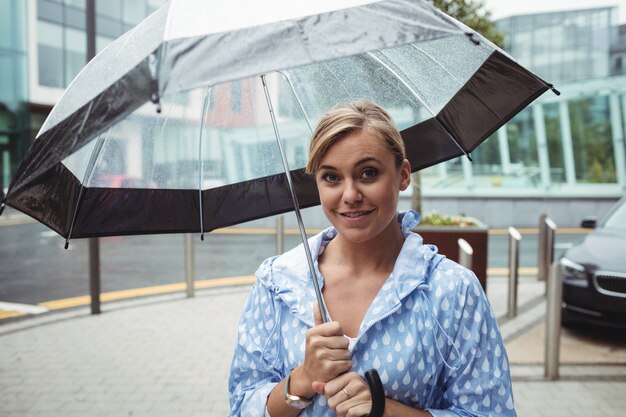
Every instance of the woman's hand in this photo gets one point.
(326, 357)
(348, 395)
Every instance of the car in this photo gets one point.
(594, 273)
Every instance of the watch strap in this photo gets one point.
(294, 401)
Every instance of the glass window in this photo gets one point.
(79, 4)
(523, 149)
(134, 11)
(12, 19)
(591, 139)
(486, 163)
(75, 18)
(102, 42)
(13, 90)
(50, 49)
(108, 27)
(51, 11)
(75, 53)
(552, 123)
(6, 81)
(109, 8)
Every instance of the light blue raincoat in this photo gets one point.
(430, 332)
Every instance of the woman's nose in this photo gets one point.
(351, 193)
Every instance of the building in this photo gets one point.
(43, 46)
(563, 155)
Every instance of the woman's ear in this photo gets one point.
(405, 175)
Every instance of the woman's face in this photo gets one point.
(359, 183)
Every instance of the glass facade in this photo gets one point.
(13, 87)
(62, 39)
(571, 144)
(567, 145)
(562, 46)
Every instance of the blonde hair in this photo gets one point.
(356, 116)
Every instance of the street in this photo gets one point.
(36, 267)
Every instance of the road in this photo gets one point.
(35, 266)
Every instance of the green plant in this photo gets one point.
(435, 219)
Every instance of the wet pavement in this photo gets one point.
(169, 356)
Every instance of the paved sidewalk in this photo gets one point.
(169, 356)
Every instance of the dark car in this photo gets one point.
(594, 273)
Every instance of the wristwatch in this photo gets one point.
(294, 401)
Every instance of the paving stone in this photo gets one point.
(172, 358)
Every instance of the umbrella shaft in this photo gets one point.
(296, 206)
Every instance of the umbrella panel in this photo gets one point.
(223, 135)
(209, 159)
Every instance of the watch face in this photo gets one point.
(299, 404)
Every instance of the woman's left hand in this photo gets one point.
(348, 395)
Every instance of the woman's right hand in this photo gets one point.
(326, 356)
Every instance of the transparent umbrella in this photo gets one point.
(200, 116)
(168, 130)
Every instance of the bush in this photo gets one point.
(435, 219)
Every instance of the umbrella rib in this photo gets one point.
(293, 90)
(88, 173)
(205, 105)
(296, 205)
(412, 91)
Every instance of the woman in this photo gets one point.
(419, 319)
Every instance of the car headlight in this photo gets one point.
(573, 270)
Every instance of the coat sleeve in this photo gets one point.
(254, 371)
(478, 381)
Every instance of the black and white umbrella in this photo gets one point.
(168, 129)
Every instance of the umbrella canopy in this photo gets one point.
(168, 130)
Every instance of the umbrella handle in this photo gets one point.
(378, 393)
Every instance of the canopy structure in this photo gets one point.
(168, 130)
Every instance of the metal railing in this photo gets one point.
(280, 234)
(553, 322)
(514, 242)
(465, 253)
(547, 232)
(190, 264)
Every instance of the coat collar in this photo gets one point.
(289, 278)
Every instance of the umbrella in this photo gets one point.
(106, 163)
(199, 117)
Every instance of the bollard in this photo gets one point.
(190, 265)
(94, 274)
(553, 322)
(280, 234)
(465, 253)
(541, 248)
(548, 251)
(514, 241)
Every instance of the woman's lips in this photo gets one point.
(356, 214)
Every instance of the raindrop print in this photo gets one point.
(509, 403)
(407, 378)
(384, 377)
(376, 363)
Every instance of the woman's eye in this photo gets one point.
(369, 173)
(330, 177)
